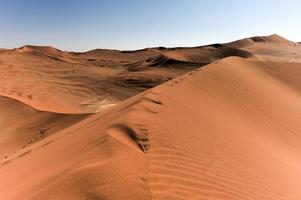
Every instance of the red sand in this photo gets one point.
(228, 130)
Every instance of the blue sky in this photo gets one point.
(81, 25)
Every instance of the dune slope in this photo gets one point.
(228, 130)
(22, 125)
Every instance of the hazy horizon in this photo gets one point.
(133, 24)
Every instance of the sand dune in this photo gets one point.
(185, 58)
(271, 48)
(52, 80)
(22, 125)
(225, 130)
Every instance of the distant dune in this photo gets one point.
(212, 122)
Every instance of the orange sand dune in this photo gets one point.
(49, 79)
(64, 82)
(22, 125)
(228, 130)
(272, 48)
(45, 82)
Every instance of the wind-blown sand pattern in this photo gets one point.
(226, 126)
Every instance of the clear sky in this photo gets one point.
(81, 25)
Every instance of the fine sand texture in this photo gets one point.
(226, 129)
